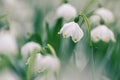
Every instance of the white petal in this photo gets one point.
(66, 11)
(72, 29)
(77, 34)
(38, 63)
(95, 34)
(106, 14)
(67, 29)
(112, 36)
(50, 63)
(28, 48)
(95, 19)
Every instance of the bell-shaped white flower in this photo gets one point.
(8, 44)
(102, 33)
(28, 48)
(95, 19)
(50, 63)
(66, 11)
(105, 14)
(72, 29)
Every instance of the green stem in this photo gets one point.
(30, 65)
(52, 50)
(90, 39)
(46, 75)
(87, 6)
(57, 75)
(88, 26)
(93, 63)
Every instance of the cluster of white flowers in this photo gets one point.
(28, 48)
(102, 33)
(66, 11)
(8, 44)
(47, 62)
(102, 14)
(72, 29)
(41, 63)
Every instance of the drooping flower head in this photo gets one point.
(66, 11)
(72, 29)
(28, 48)
(45, 63)
(105, 14)
(102, 33)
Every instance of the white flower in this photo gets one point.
(28, 48)
(37, 64)
(8, 75)
(95, 19)
(66, 11)
(50, 63)
(47, 62)
(102, 33)
(105, 14)
(18, 10)
(72, 29)
(8, 44)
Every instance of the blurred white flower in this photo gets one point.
(8, 43)
(28, 48)
(95, 19)
(18, 10)
(102, 33)
(50, 63)
(8, 75)
(105, 14)
(37, 64)
(72, 29)
(47, 62)
(66, 11)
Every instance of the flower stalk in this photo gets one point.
(52, 50)
(30, 65)
(88, 26)
(87, 6)
(90, 39)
